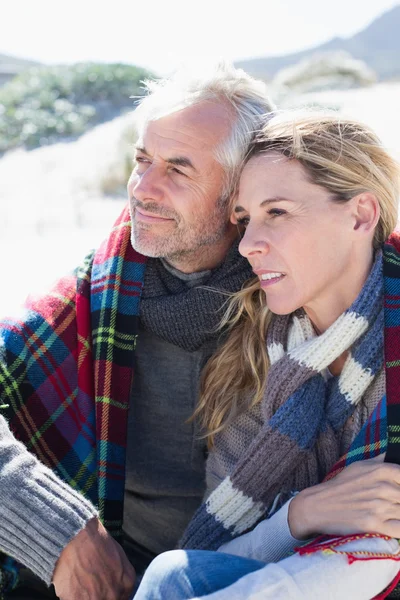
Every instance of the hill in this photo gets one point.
(10, 66)
(6, 59)
(378, 45)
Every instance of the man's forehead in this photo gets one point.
(198, 127)
(206, 114)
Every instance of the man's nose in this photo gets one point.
(146, 186)
(253, 244)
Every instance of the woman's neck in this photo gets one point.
(324, 312)
(323, 316)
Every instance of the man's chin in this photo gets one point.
(147, 247)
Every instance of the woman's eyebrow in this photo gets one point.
(239, 208)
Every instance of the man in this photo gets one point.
(68, 366)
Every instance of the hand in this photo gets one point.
(364, 497)
(93, 566)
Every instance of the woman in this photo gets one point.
(317, 200)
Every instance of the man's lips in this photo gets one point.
(145, 217)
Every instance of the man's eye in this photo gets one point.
(175, 170)
(141, 159)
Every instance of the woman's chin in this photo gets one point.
(281, 309)
(284, 304)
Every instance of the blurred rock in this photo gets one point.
(324, 71)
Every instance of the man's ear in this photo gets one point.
(366, 211)
(234, 221)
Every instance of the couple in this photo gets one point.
(301, 379)
(313, 225)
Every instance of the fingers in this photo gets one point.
(364, 497)
(93, 566)
(391, 528)
(128, 579)
(373, 469)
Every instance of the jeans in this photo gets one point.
(188, 574)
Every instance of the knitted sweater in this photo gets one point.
(293, 437)
(40, 513)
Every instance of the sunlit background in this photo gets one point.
(68, 70)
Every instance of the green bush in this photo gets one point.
(45, 104)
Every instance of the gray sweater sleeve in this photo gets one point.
(40, 514)
(270, 541)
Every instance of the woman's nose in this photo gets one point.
(252, 244)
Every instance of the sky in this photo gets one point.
(161, 34)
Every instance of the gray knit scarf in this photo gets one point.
(303, 414)
(188, 317)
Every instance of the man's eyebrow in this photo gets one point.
(181, 161)
(178, 161)
(141, 149)
(238, 208)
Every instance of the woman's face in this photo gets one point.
(296, 238)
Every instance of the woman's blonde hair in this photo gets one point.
(344, 157)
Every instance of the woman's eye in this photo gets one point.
(276, 212)
(243, 221)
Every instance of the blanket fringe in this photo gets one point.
(330, 545)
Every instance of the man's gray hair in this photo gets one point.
(220, 82)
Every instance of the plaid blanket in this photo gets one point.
(66, 371)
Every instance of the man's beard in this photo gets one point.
(178, 239)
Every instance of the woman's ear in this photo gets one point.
(366, 212)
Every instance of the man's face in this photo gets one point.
(175, 189)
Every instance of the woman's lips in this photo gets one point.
(268, 278)
(268, 282)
